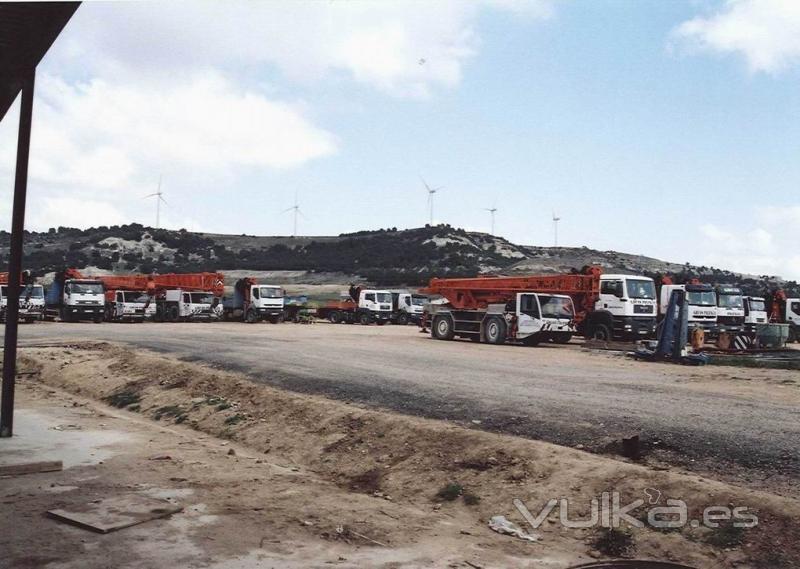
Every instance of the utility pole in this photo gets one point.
(15, 257)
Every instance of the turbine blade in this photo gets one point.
(288, 209)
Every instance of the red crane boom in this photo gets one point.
(479, 292)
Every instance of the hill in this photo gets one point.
(386, 257)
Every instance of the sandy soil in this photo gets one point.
(736, 424)
(344, 485)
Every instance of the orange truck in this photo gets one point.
(605, 306)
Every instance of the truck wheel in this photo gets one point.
(364, 318)
(251, 317)
(561, 337)
(98, 318)
(600, 332)
(442, 328)
(792, 336)
(173, 314)
(495, 330)
(334, 317)
(402, 319)
(533, 340)
(65, 315)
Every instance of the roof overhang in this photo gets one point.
(27, 30)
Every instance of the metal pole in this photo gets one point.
(15, 257)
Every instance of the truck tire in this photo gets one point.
(65, 315)
(334, 317)
(561, 337)
(600, 332)
(364, 318)
(402, 319)
(533, 340)
(173, 314)
(98, 318)
(495, 330)
(251, 317)
(442, 328)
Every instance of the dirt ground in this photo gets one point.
(313, 482)
(731, 423)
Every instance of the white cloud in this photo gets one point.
(765, 32)
(74, 212)
(403, 48)
(192, 90)
(757, 250)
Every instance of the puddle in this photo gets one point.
(36, 438)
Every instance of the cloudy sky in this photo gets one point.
(670, 129)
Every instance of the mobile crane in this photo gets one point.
(359, 305)
(172, 297)
(31, 298)
(785, 310)
(601, 306)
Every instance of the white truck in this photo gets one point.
(31, 302)
(72, 297)
(178, 305)
(364, 306)
(755, 312)
(526, 317)
(407, 307)
(130, 306)
(253, 302)
(730, 309)
(702, 300)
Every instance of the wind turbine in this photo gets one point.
(431, 191)
(492, 210)
(296, 209)
(555, 227)
(159, 198)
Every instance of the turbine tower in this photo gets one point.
(431, 191)
(555, 228)
(296, 209)
(159, 198)
(492, 210)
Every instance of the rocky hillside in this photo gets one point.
(387, 257)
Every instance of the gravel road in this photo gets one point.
(737, 422)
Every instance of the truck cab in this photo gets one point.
(31, 302)
(730, 309)
(181, 305)
(790, 314)
(542, 317)
(135, 306)
(254, 302)
(755, 312)
(702, 301)
(527, 317)
(374, 306)
(77, 299)
(407, 307)
(625, 308)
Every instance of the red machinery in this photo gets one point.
(151, 284)
(479, 292)
(154, 286)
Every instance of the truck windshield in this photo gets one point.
(202, 298)
(702, 298)
(556, 307)
(32, 292)
(85, 288)
(638, 288)
(135, 297)
(383, 297)
(269, 292)
(418, 300)
(757, 305)
(731, 301)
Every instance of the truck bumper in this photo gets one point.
(84, 310)
(632, 327)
